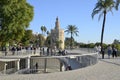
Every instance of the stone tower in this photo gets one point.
(57, 24)
(57, 34)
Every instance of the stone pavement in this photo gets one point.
(105, 69)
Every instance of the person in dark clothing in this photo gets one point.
(68, 67)
(47, 51)
(36, 66)
(60, 52)
(103, 53)
(114, 52)
(43, 51)
(13, 50)
(6, 52)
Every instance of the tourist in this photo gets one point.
(43, 51)
(36, 66)
(68, 67)
(64, 52)
(48, 51)
(96, 49)
(13, 50)
(109, 50)
(60, 52)
(99, 49)
(103, 52)
(114, 51)
(6, 51)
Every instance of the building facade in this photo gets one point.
(57, 35)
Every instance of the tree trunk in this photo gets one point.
(102, 33)
(71, 41)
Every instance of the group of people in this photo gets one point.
(111, 50)
(62, 52)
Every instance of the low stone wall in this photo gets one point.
(50, 64)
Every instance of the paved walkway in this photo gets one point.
(105, 69)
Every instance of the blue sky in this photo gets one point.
(75, 12)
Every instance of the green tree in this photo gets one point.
(43, 29)
(58, 43)
(47, 33)
(15, 16)
(67, 42)
(116, 41)
(72, 30)
(40, 40)
(102, 7)
(117, 46)
(27, 37)
(48, 41)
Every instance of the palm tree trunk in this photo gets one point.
(104, 20)
(71, 41)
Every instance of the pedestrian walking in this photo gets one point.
(114, 51)
(34, 50)
(96, 49)
(109, 51)
(99, 49)
(47, 51)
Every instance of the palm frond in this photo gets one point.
(72, 29)
(103, 5)
(117, 4)
(100, 16)
(98, 4)
(95, 12)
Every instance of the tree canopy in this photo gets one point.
(15, 16)
(43, 29)
(72, 29)
(27, 37)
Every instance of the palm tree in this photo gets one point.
(72, 29)
(102, 7)
(47, 33)
(42, 29)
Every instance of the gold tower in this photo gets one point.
(57, 34)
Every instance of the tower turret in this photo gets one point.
(57, 24)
